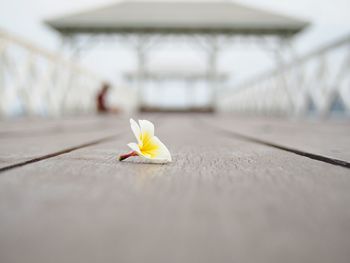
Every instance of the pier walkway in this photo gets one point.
(238, 190)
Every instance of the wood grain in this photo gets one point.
(330, 139)
(36, 127)
(33, 140)
(221, 200)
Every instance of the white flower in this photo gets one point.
(148, 146)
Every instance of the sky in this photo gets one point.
(329, 20)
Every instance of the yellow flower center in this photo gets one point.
(147, 146)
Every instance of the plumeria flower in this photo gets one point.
(148, 146)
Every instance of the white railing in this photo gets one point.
(315, 84)
(34, 81)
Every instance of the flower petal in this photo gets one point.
(163, 152)
(136, 130)
(147, 130)
(156, 152)
(149, 146)
(133, 146)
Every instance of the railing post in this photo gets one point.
(281, 66)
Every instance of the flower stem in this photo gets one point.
(125, 156)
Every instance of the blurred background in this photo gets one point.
(257, 57)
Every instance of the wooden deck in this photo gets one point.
(238, 190)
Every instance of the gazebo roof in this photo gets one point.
(178, 17)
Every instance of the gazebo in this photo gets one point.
(211, 24)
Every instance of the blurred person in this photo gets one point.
(101, 100)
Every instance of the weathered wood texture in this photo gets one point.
(31, 140)
(39, 126)
(221, 200)
(330, 139)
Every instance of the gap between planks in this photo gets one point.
(317, 157)
(64, 151)
(223, 131)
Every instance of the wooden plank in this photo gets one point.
(28, 146)
(42, 141)
(327, 138)
(38, 126)
(221, 200)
